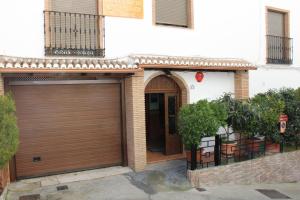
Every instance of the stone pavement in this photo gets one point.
(158, 182)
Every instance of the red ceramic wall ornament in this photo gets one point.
(199, 76)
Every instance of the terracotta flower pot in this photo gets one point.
(273, 147)
(229, 149)
(189, 155)
(254, 145)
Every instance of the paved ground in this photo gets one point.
(158, 182)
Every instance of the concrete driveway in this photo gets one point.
(160, 181)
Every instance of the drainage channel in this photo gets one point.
(31, 197)
(273, 194)
(38, 196)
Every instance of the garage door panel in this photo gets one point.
(54, 139)
(68, 126)
(85, 143)
(71, 127)
(49, 158)
(61, 147)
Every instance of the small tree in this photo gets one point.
(9, 133)
(245, 118)
(231, 106)
(268, 107)
(197, 121)
(296, 118)
(291, 99)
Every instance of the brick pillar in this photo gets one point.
(135, 121)
(241, 85)
(4, 173)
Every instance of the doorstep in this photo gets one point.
(67, 178)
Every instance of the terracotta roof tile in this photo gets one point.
(149, 61)
(131, 63)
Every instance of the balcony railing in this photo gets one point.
(279, 50)
(73, 34)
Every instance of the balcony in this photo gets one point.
(73, 34)
(279, 50)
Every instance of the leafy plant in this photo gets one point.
(199, 120)
(268, 108)
(291, 98)
(9, 133)
(229, 104)
(245, 118)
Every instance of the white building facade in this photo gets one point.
(150, 54)
(222, 29)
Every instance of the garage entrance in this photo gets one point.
(67, 125)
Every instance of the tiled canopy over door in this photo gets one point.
(276, 24)
(75, 6)
(172, 12)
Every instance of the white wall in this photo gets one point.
(231, 28)
(267, 78)
(212, 87)
(216, 33)
(22, 28)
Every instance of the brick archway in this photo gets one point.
(161, 144)
(184, 91)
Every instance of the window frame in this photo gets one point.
(190, 16)
(286, 15)
(100, 27)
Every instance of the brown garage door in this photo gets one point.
(67, 127)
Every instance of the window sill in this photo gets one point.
(173, 26)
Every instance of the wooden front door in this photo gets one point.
(155, 119)
(173, 143)
(163, 115)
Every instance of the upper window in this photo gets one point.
(72, 28)
(173, 12)
(279, 44)
(75, 6)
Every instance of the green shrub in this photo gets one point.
(245, 118)
(297, 94)
(241, 116)
(291, 98)
(199, 120)
(9, 133)
(268, 107)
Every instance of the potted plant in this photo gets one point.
(245, 121)
(268, 108)
(9, 134)
(291, 100)
(196, 121)
(229, 147)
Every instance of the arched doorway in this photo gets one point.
(163, 98)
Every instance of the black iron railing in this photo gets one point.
(224, 149)
(279, 50)
(73, 34)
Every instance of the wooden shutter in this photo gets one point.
(75, 6)
(172, 12)
(276, 23)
